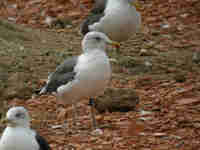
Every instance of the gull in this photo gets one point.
(118, 19)
(18, 135)
(83, 76)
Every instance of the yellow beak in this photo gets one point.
(114, 43)
(136, 4)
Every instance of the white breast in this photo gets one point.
(93, 73)
(18, 139)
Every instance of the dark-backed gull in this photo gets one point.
(83, 76)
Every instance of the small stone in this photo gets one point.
(57, 126)
(165, 26)
(145, 118)
(97, 132)
(143, 52)
(44, 41)
(13, 6)
(49, 21)
(142, 134)
(113, 60)
(196, 57)
(150, 44)
(34, 96)
(197, 125)
(21, 48)
(12, 19)
(176, 137)
(184, 15)
(143, 112)
(148, 64)
(160, 134)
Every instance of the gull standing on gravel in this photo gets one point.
(83, 76)
(118, 19)
(18, 135)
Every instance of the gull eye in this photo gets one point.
(19, 115)
(98, 38)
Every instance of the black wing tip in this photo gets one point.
(44, 145)
(84, 28)
(46, 90)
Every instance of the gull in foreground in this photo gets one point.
(118, 19)
(18, 135)
(83, 76)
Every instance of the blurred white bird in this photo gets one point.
(118, 19)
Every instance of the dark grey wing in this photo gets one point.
(42, 143)
(99, 7)
(95, 15)
(64, 73)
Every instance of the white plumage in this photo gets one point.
(18, 138)
(18, 135)
(93, 72)
(119, 20)
(84, 76)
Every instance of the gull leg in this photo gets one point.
(69, 127)
(65, 125)
(74, 114)
(66, 128)
(94, 123)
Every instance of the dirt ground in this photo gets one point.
(161, 63)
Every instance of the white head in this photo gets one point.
(17, 116)
(96, 40)
(125, 2)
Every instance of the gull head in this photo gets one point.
(17, 117)
(96, 40)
